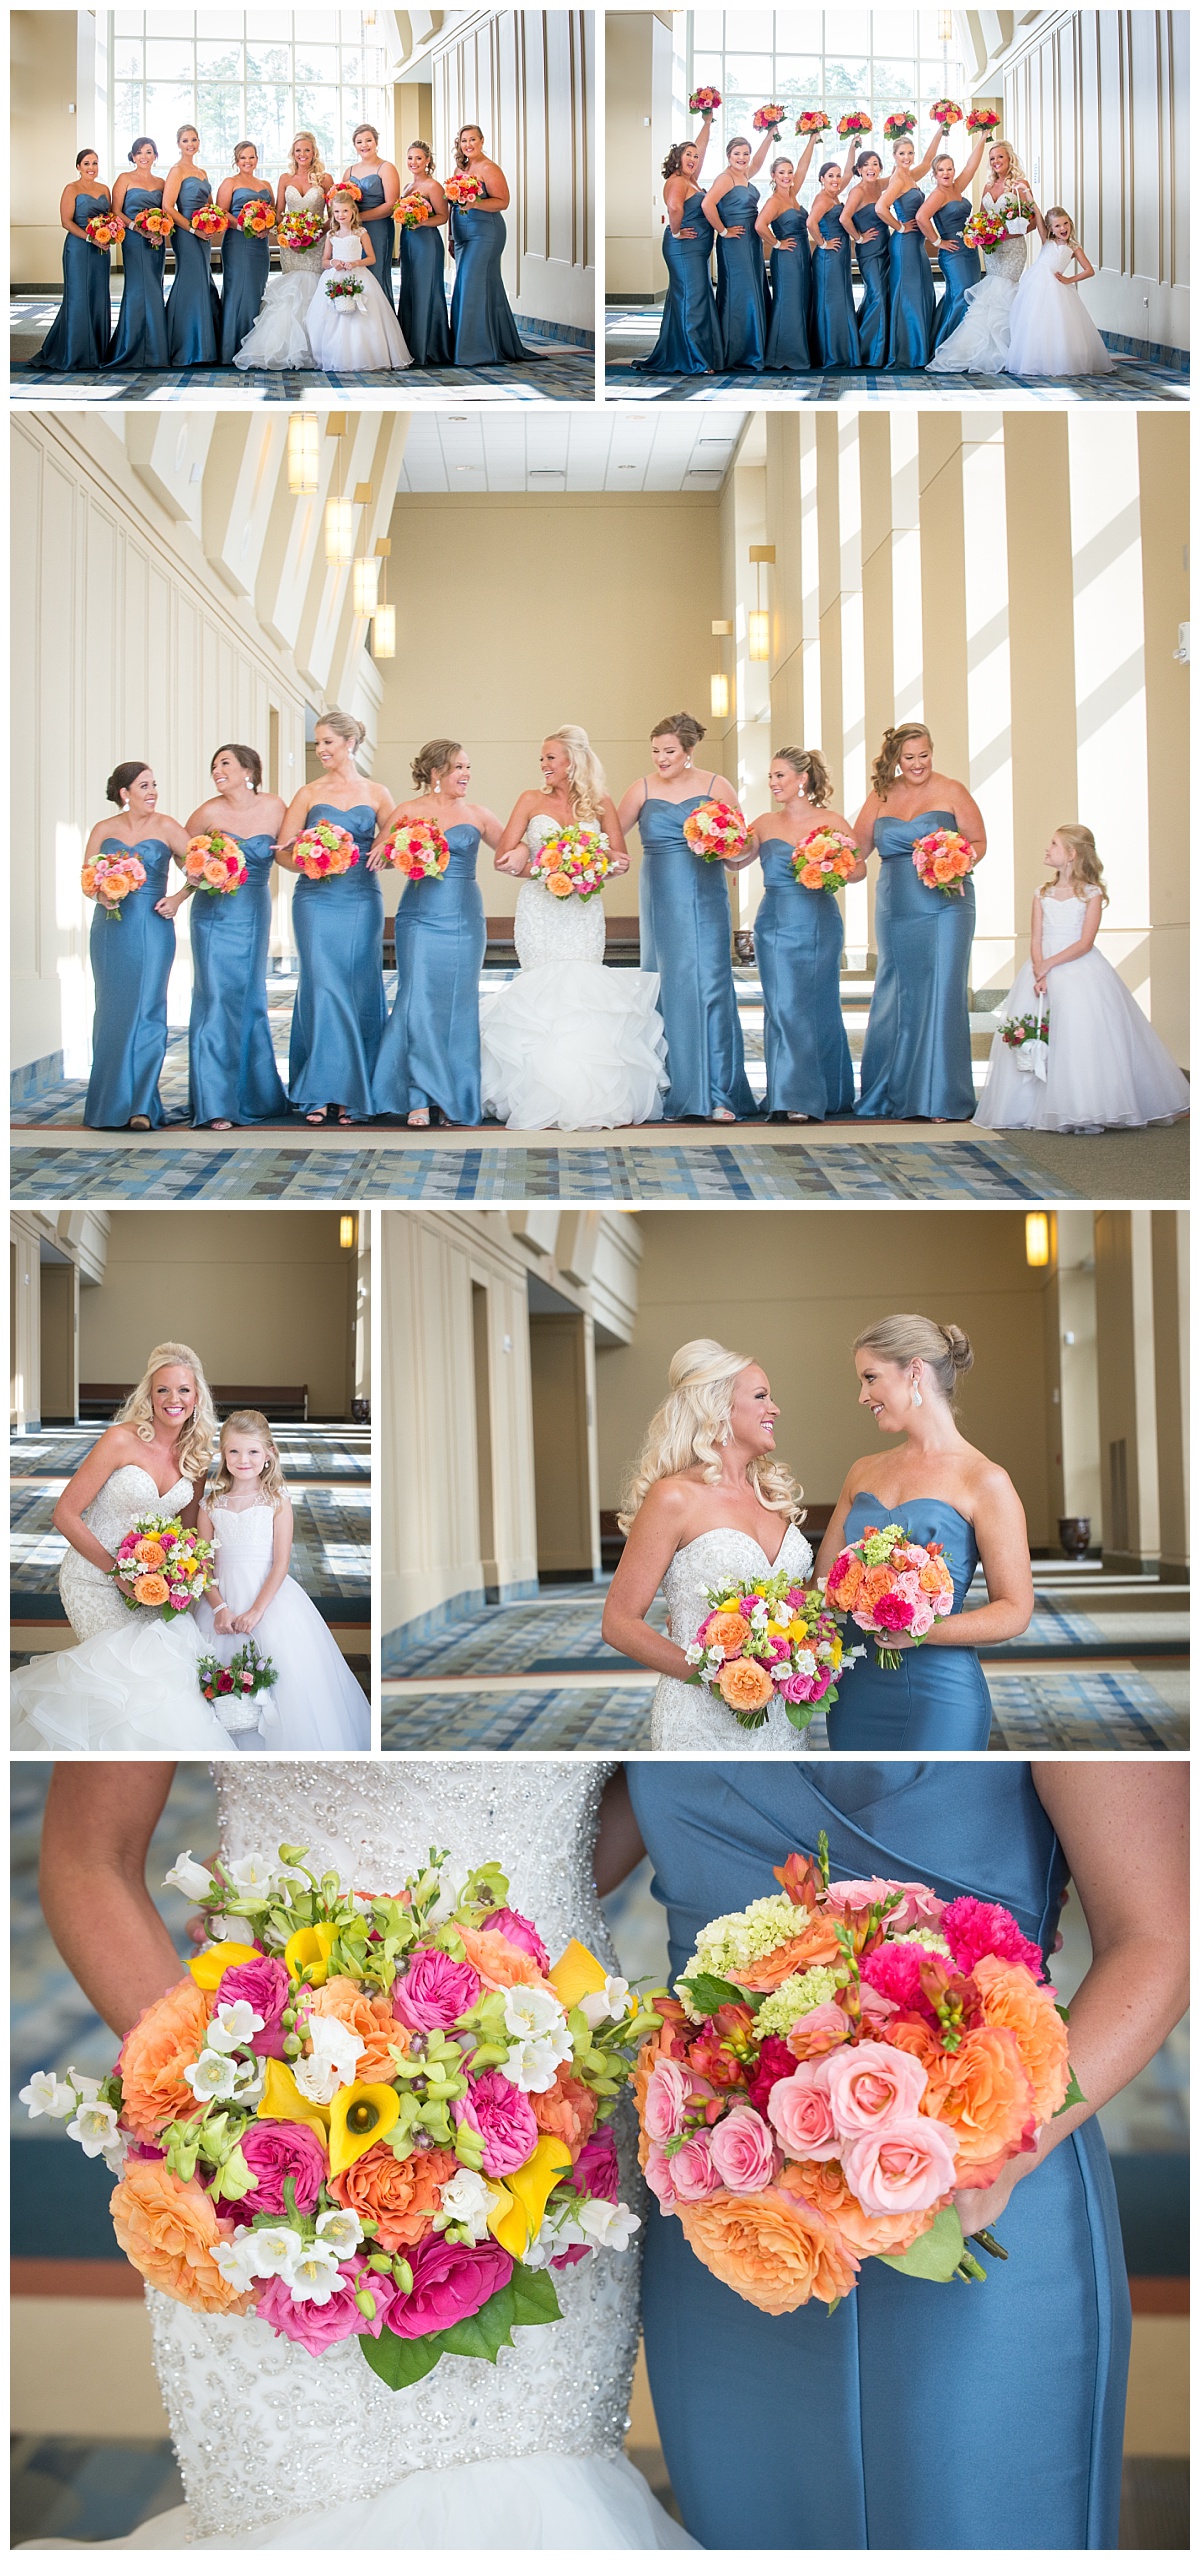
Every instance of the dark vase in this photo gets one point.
(360, 1409)
(1075, 1537)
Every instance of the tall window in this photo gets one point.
(239, 75)
(877, 60)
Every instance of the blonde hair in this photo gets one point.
(944, 1348)
(342, 195)
(886, 767)
(270, 1481)
(341, 724)
(810, 764)
(1086, 871)
(305, 136)
(194, 1446)
(460, 158)
(1059, 213)
(1016, 176)
(691, 1427)
(585, 774)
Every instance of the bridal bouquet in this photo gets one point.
(323, 852)
(209, 223)
(343, 285)
(162, 1567)
(462, 189)
(372, 2116)
(110, 878)
(982, 120)
(944, 860)
(105, 229)
(768, 119)
(704, 102)
(837, 2060)
(896, 128)
(215, 864)
(813, 120)
(715, 830)
(985, 229)
(416, 847)
(769, 1639)
(856, 122)
(299, 229)
(256, 218)
(944, 112)
(413, 209)
(234, 1687)
(154, 225)
(825, 860)
(890, 1585)
(574, 863)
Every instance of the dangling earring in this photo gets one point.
(687, 762)
(916, 1393)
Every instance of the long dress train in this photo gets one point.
(979, 341)
(245, 272)
(482, 326)
(279, 340)
(1105, 1067)
(569, 1044)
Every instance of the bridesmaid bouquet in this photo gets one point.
(825, 860)
(154, 225)
(233, 1687)
(324, 852)
(836, 2061)
(985, 230)
(417, 848)
(704, 102)
(813, 120)
(413, 210)
(209, 223)
(162, 1567)
(767, 119)
(256, 218)
(572, 864)
(215, 863)
(890, 1585)
(982, 120)
(111, 878)
(856, 122)
(715, 830)
(769, 1639)
(944, 860)
(300, 230)
(944, 112)
(462, 189)
(372, 2116)
(896, 128)
(105, 229)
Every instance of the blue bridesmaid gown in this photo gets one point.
(381, 233)
(424, 319)
(742, 315)
(481, 322)
(686, 935)
(960, 270)
(193, 305)
(430, 1050)
(916, 1062)
(77, 340)
(915, 2416)
(833, 297)
(874, 266)
(245, 270)
(131, 963)
(910, 335)
(938, 1699)
(688, 340)
(798, 940)
(788, 349)
(140, 344)
(338, 1019)
(231, 1063)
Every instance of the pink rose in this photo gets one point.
(597, 2170)
(263, 1981)
(519, 1933)
(435, 1990)
(658, 2174)
(503, 2118)
(665, 2101)
(450, 2283)
(743, 2152)
(872, 2087)
(318, 2325)
(277, 2151)
(800, 2111)
(818, 2031)
(902, 2169)
(694, 2170)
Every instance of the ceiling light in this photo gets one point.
(339, 532)
(365, 586)
(303, 456)
(383, 632)
(1037, 1240)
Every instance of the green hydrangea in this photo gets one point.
(929, 1938)
(741, 1937)
(794, 1998)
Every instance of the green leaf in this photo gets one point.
(486, 2331)
(399, 2361)
(708, 1993)
(534, 2298)
(936, 2254)
(1074, 2096)
(802, 1716)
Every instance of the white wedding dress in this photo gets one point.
(130, 1683)
(279, 340)
(980, 342)
(684, 1718)
(282, 2451)
(1050, 331)
(1105, 1067)
(361, 335)
(316, 1703)
(569, 1044)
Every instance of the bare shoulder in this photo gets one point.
(665, 1506)
(987, 1479)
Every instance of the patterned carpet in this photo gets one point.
(630, 334)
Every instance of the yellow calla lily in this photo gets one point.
(207, 1968)
(359, 2116)
(285, 2102)
(516, 2217)
(575, 1974)
(309, 1950)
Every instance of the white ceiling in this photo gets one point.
(569, 449)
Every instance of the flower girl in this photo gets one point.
(316, 1703)
(1083, 1055)
(352, 327)
(1049, 330)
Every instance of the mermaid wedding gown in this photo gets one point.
(130, 1683)
(684, 1718)
(569, 1044)
(980, 342)
(279, 340)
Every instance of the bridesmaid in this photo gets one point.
(861, 223)
(916, 1061)
(686, 932)
(378, 183)
(481, 322)
(337, 1024)
(725, 2373)
(731, 205)
(131, 955)
(193, 306)
(429, 1055)
(77, 340)
(833, 291)
(798, 941)
(232, 1073)
(688, 340)
(140, 345)
(782, 226)
(245, 261)
(939, 1488)
(424, 319)
(942, 217)
(910, 278)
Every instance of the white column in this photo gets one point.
(853, 745)
(989, 702)
(908, 695)
(1110, 677)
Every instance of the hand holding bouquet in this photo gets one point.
(855, 122)
(716, 830)
(573, 863)
(944, 860)
(154, 225)
(768, 119)
(162, 1567)
(704, 102)
(944, 112)
(982, 120)
(300, 230)
(462, 189)
(210, 223)
(768, 1639)
(416, 847)
(111, 877)
(825, 860)
(105, 229)
(256, 218)
(215, 863)
(324, 852)
(984, 230)
(891, 1586)
(413, 209)
(812, 120)
(897, 128)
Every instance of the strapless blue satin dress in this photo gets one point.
(910, 335)
(874, 266)
(337, 1023)
(960, 270)
(380, 233)
(833, 297)
(788, 349)
(798, 940)
(938, 1699)
(916, 1062)
(131, 963)
(231, 1064)
(140, 345)
(481, 322)
(686, 934)
(193, 304)
(77, 339)
(742, 315)
(245, 270)
(814, 2430)
(430, 1050)
(688, 340)
(424, 319)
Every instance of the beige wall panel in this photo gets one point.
(1163, 449)
(526, 77)
(45, 137)
(265, 1297)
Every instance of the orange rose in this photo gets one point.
(550, 857)
(566, 2109)
(87, 879)
(499, 1965)
(773, 2253)
(822, 2184)
(166, 2229)
(400, 2195)
(933, 1576)
(558, 885)
(151, 1590)
(745, 1686)
(215, 871)
(370, 2019)
(727, 1628)
(914, 2035)
(815, 1945)
(981, 2094)
(167, 2036)
(877, 1580)
(150, 1551)
(1012, 1999)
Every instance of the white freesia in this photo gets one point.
(532, 2066)
(231, 2259)
(805, 1663)
(213, 2075)
(332, 2063)
(235, 2022)
(316, 2276)
(255, 1873)
(234, 1926)
(95, 2129)
(612, 2002)
(693, 1653)
(530, 2011)
(341, 2230)
(467, 2200)
(46, 2095)
(273, 2251)
(190, 1878)
(609, 2226)
(452, 1876)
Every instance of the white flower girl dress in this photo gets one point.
(356, 333)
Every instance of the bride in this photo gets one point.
(980, 342)
(130, 1683)
(708, 1498)
(569, 1044)
(277, 2450)
(279, 339)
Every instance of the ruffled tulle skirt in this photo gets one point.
(316, 1703)
(359, 336)
(279, 341)
(573, 1045)
(131, 1687)
(1050, 331)
(980, 343)
(1105, 1067)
